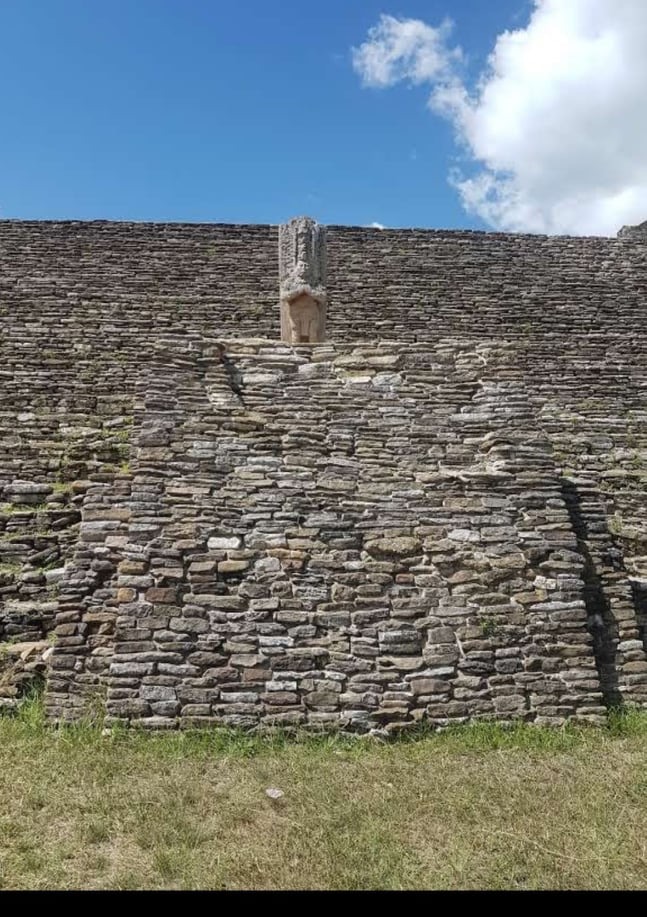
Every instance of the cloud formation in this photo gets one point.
(405, 49)
(555, 126)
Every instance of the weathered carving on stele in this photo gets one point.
(302, 281)
(637, 232)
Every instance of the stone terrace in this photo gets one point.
(438, 514)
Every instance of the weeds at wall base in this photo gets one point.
(484, 735)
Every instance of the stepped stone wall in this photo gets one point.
(438, 514)
(129, 283)
(63, 420)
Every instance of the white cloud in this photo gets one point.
(404, 49)
(377, 226)
(556, 125)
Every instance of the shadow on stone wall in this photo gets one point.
(601, 620)
(639, 592)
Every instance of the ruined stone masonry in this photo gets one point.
(406, 483)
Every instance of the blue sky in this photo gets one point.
(206, 110)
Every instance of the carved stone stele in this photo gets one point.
(302, 281)
(638, 232)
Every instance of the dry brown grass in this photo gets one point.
(477, 808)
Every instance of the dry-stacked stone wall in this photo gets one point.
(65, 421)
(359, 536)
(418, 285)
(439, 515)
(120, 285)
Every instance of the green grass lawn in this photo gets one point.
(477, 807)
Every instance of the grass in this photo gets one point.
(477, 807)
(23, 509)
(11, 569)
(60, 487)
